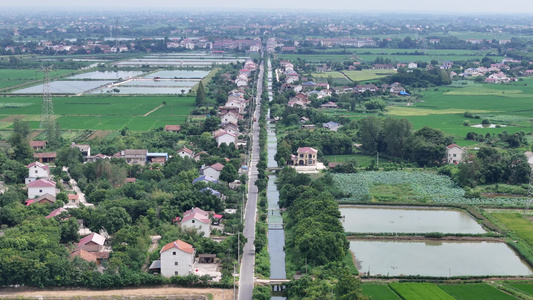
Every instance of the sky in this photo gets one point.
(375, 6)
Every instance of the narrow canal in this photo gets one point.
(276, 234)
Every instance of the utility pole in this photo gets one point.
(234, 282)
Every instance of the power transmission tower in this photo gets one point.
(47, 107)
(529, 191)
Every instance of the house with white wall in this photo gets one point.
(229, 117)
(36, 171)
(198, 219)
(454, 154)
(40, 187)
(176, 258)
(184, 152)
(227, 138)
(212, 170)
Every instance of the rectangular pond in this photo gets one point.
(179, 74)
(107, 75)
(435, 258)
(160, 83)
(65, 87)
(143, 90)
(379, 219)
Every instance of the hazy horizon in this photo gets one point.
(376, 6)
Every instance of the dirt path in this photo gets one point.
(146, 114)
(218, 294)
(347, 78)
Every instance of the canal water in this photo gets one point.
(276, 234)
(380, 219)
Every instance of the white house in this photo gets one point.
(230, 127)
(212, 170)
(229, 117)
(198, 219)
(40, 187)
(36, 171)
(292, 77)
(227, 138)
(177, 258)
(184, 152)
(454, 154)
(412, 65)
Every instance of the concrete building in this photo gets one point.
(198, 219)
(133, 156)
(454, 154)
(212, 170)
(36, 171)
(40, 187)
(306, 156)
(176, 258)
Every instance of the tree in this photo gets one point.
(115, 219)
(368, 134)
(69, 230)
(21, 147)
(201, 100)
(69, 157)
(228, 173)
(211, 124)
(21, 127)
(396, 132)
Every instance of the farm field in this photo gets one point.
(361, 159)
(99, 112)
(419, 291)
(316, 58)
(517, 223)
(369, 74)
(443, 108)
(524, 287)
(396, 55)
(475, 292)
(379, 292)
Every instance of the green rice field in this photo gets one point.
(379, 292)
(419, 291)
(517, 223)
(477, 291)
(395, 55)
(443, 108)
(100, 112)
(524, 287)
(413, 291)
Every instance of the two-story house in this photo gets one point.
(36, 171)
(306, 156)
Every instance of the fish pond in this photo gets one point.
(381, 219)
(437, 258)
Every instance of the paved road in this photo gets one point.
(246, 279)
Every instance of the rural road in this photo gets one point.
(246, 279)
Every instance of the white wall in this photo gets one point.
(226, 138)
(184, 154)
(168, 259)
(229, 118)
(39, 191)
(454, 155)
(212, 172)
(200, 226)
